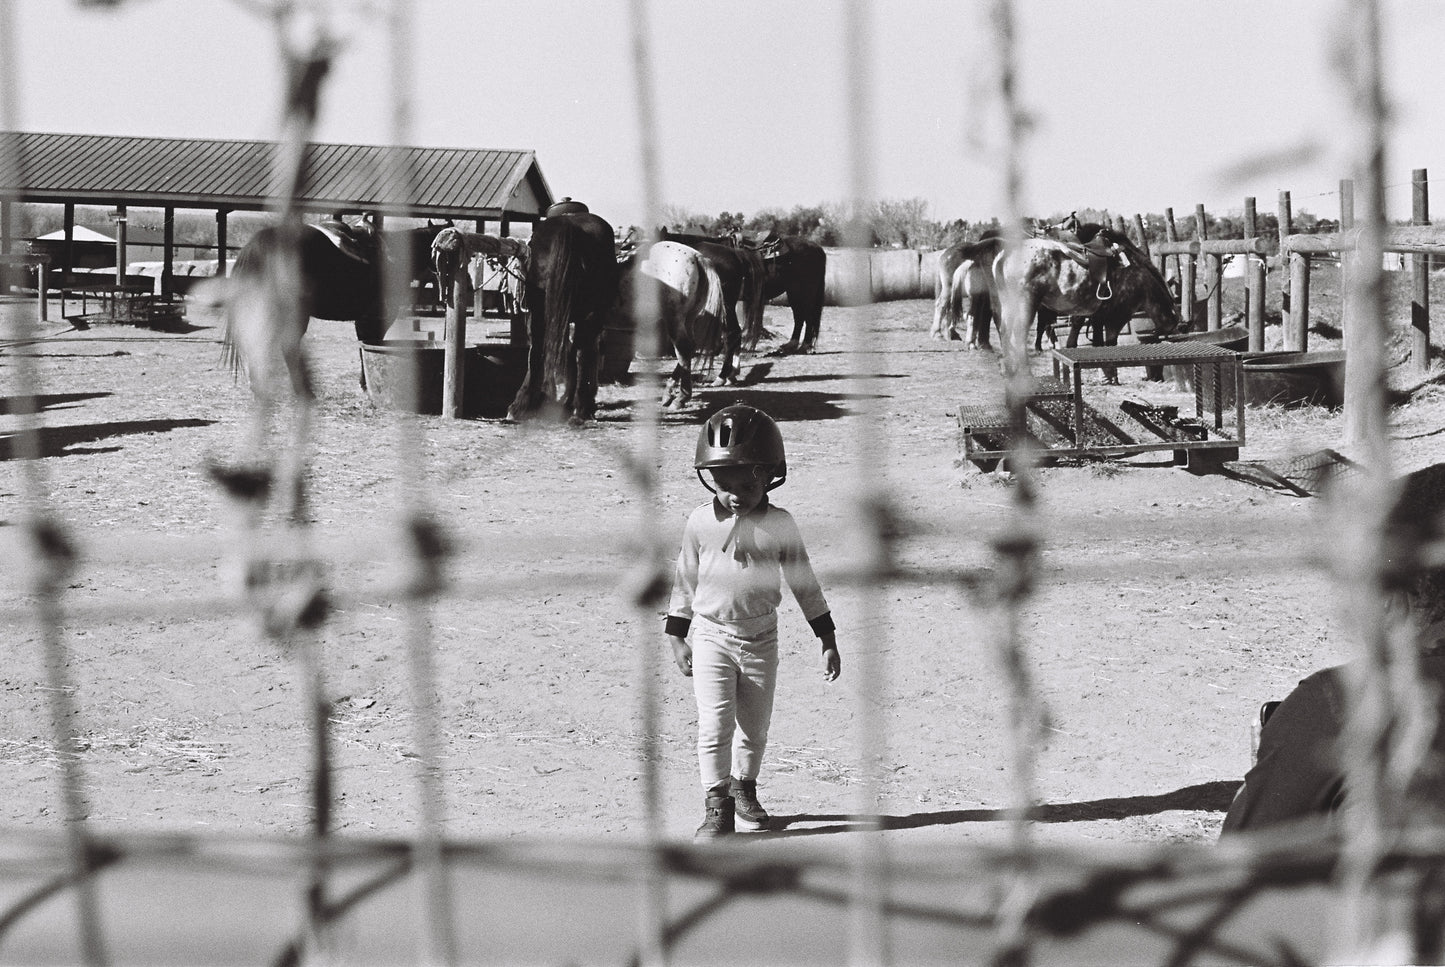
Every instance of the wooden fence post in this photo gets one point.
(1347, 258)
(1143, 238)
(1420, 277)
(1297, 330)
(1212, 272)
(1184, 266)
(1254, 282)
(1285, 226)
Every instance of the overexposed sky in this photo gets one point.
(1138, 105)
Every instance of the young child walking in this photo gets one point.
(722, 620)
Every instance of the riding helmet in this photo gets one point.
(741, 436)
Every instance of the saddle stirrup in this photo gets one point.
(1104, 292)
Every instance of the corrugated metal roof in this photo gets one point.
(95, 169)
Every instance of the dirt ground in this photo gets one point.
(1170, 604)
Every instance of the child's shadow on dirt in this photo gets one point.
(1205, 797)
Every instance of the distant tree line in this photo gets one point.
(905, 224)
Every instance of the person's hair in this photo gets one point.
(1414, 523)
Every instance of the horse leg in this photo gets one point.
(1047, 318)
(812, 317)
(732, 342)
(583, 364)
(529, 394)
(1076, 323)
(679, 384)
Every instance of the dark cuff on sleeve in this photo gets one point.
(677, 625)
(823, 624)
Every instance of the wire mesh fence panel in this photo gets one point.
(302, 678)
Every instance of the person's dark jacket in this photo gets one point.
(1298, 772)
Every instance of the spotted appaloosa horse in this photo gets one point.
(684, 288)
(1046, 279)
(572, 280)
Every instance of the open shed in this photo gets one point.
(491, 188)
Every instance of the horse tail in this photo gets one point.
(713, 311)
(561, 275)
(240, 298)
(753, 292)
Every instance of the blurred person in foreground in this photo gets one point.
(1298, 773)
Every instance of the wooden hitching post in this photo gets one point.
(454, 354)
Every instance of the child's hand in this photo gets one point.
(682, 654)
(832, 664)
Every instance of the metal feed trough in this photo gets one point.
(1060, 422)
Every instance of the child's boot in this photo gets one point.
(749, 813)
(719, 819)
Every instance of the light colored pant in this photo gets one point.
(734, 675)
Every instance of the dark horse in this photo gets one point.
(1047, 279)
(572, 280)
(285, 276)
(796, 267)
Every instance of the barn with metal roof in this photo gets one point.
(485, 185)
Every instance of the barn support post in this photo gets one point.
(168, 243)
(454, 353)
(220, 243)
(1211, 270)
(7, 226)
(67, 257)
(42, 286)
(121, 219)
(1420, 276)
(1254, 282)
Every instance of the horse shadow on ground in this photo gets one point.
(10, 405)
(70, 441)
(819, 377)
(1204, 797)
(785, 406)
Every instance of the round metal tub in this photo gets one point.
(1296, 379)
(1186, 379)
(492, 376)
(1230, 337)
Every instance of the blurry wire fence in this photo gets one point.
(340, 899)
